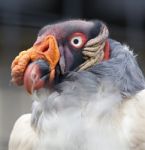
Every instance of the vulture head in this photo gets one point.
(60, 48)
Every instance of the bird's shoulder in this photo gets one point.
(23, 136)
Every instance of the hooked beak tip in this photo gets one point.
(32, 78)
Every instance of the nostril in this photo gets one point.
(45, 48)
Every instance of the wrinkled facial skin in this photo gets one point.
(63, 31)
(71, 36)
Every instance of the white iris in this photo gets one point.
(76, 41)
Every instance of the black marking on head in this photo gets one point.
(95, 30)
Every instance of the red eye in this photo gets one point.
(77, 40)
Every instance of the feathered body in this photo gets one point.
(101, 108)
(121, 128)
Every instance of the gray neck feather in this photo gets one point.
(122, 69)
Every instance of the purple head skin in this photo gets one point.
(71, 37)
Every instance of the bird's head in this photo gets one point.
(59, 49)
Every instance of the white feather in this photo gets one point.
(104, 122)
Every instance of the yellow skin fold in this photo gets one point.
(47, 49)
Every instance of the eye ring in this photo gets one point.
(77, 40)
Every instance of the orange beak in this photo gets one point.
(47, 50)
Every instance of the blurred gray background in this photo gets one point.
(20, 20)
